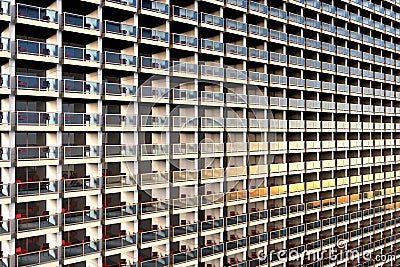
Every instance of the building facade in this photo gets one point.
(199, 132)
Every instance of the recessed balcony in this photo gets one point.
(4, 234)
(184, 15)
(37, 16)
(38, 225)
(5, 194)
(186, 97)
(154, 261)
(212, 201)
(236, 246)
(45, 257)
(211, 124)
(184, 124)
(236, 124)
(184, 232)
(212, 98)
(120, 153)
(5, 157)
(37, 121)
(5, 49)
(37, 156)
(213, 73)
(37, 51)
(119, 244)
(80, 89)
(81, 56)
(154, 152)
(236, 149)
(75, 154)
(184, 42)
(118, 61)
(128, 5)
(75, 220)
(154, 94)
(85, 251)
(184, 177)
(80, 24)
(211, 226)
(75, 187)
(211, 22)
(81, 122)
(46, 189)
(184, 205)
(258, 9)
(212, 175)
(119, 31)
(184, 69)
(37, 86)
(234, 221)
(211, 252)
(5, 11)
(258, 217)
(5, 88)
(118, 214)
(212, 149)
(211, 47)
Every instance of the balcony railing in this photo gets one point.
(183, 257)
(154, 35)
(184, 13)
(5, 7)
(153, 63)
(81, 152)
(119, 181)
(37, 13)
(212, 224)
(81, 87)
(184, 176)
(211, 199)
(36, 153)
(119, 28)
(81, 119)
(155, 6)
(119, 211)
(114, 89)
(154, 121)
(185, 149)
(212, 45)
(37, 223)
(81, 54)
(183, 67)
(184, 230)
(37, 48)
(80, 184)
(37, 258)
(184, 203)
(118, 120)
(31, 118)
(155, 178)
(80, 217)
(80, 21)
(120, 151)
(81, 250)
(184, 40)
(154, 206)
(119, 242)
(212, 20)
(211, 250)
(37, 188)
(120, 59)
(36, 83)
(131, 3)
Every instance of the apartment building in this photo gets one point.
(199, 132)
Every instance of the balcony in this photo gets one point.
(154, 66)
(212, 149)
(236, 197)
(5, 46)
(258, 9)
(81, 122)
(119, 31)
(119, 123)
(211, 252)
(212, 47)
(236, 149)
(184, 15)
(154, 123)
(34, 226)
(236, 222)
(5, 88)
(210, 124)
(212, 22)
(47, 257)
(154, 8)
(81, 56)
(212, 175)
(5, 11)
(75, 220)
(258, 217)
(185, 97)
(119, 183)
(156, 208)
(184, 258)
(37, 156)
(154, 180)
(117, 61)
(154, 37)
(154, 262)
(184, 232)
(75, 154)
(37, 121)
(184, 205)
(187, 43)
(119, 92)
(37, 16)
(37, 51)
(212, 201)
(236, 27)
(120, 153)
(211, 226)
(120, 244)
(85, 251)
(128, 5)
(4, 235)
(180, 151)
(46, 189)
(154, 94)
(37, 86)
(119, 214)
(236, 246)
(75, 187)
(80, 89)
(184, 177)
(183, 69)
(81, 24)
(4, 194)
(153, 238)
